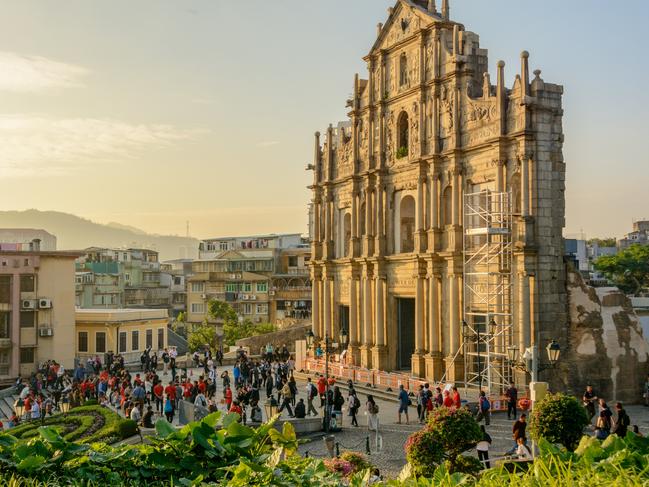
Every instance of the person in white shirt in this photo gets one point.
(483, 447)
(200, 400)
(36, 410)
(135, 414)
(523, 451)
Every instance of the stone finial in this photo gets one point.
(525, 73)
(379, 28)
(390, 11)
(446, 10)
(537, 74)
(456, 40)
(432, 8)
(317, 135)
(486, 86)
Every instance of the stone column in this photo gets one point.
(379, 352)
(378, 232)
(367, 250)
(326, 315)
(434, 233)
(315, 307)
(355, 226)
(525, 187)
(366, 347)
(434, 365)
(420, 238)
(454, 360)
(524, 325)
(353, 322)
(418, 364)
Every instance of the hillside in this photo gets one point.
(73, 232)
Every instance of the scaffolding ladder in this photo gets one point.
(487, 326)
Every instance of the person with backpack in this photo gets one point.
(311, 394)
(422, 402)
(484, 407)
(483, 447)
(622, 422)
(372, 413)
(169, 410)
(354, 405)
(404, 402)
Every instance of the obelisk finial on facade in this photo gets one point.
(432, 8)
(446, 10)
(500, 95)
(525, 73)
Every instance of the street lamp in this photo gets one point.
(554, 351)
(343, 337)
(309, 338)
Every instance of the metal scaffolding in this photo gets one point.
(487, 327)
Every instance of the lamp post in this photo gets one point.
(553, 351)
(19, 408)
(271, 408)
(343, 338)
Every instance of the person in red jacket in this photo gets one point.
(228, 397)
(448, 402)
(170, 391)
(322, 389)
(158, 391)
(457, 402)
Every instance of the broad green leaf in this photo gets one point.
(31, 463)
(163, 428)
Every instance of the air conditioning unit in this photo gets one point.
(239, 276)
(44, 303)
(271, 293)
(29, 304)
(233, 276)
(203, 296)
(253, 297)
(45, 332)
(245, 297)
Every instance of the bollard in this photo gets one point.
(337, 450)
(367, 445)
(306, 454)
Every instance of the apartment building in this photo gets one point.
(246, 272)
(174, 274)
(25, 238)
(120, 278)
(36, 309)
(639, 235)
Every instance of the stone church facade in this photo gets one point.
(426, 127)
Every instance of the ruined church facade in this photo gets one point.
(427, 126)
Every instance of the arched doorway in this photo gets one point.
(407, 224)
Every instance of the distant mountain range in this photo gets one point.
(75, 233)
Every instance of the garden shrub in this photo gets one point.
(357, 460)
(559, 419)
(127, 428)
(424, 452)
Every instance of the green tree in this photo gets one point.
(203, 335)
(603, 242)
(221, 311)
(629, 269)
(559, 419)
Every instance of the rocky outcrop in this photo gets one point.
(606, 345)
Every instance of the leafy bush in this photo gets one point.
(424, 452)
(127, 428)
(357, 460)
(338, 465)
(558, 419)
(465, 464)
(91, 402)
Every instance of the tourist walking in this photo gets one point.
(404, 401)
(372, 410)
(169, 410)
(518, 431)
(353, 404)
(422, 401)
(622, 421)
(286, 399)
(589, 399)
(483, 447)
(311, 394)
(484, 407)
(512, 399)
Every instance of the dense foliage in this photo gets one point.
(85, 424)
(628, 269)
(448, 433)
(560, 419)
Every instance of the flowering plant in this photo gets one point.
(337, 465)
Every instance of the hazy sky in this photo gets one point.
(154, 112)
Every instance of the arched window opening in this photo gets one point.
(402, 140)
(407, 224)
(447, 206)
(362, 219)
(403, 70)
(515, 188)
(347, 223)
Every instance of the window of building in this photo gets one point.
(223, 246)
(247, 287)
(262, 309)
(231, 287)
(198, 287)
(447, 206)
(177, 281)
(407, 224)
(122, 342)
(26, 355)
(161, 338)
(149, 339)
(82, 343)
(135, 340)
(5, 289)
(100, 342)
(247, 309)
(198, 308)
(27, 319)
(27, 283)
(5, 324)
(262, 287)
(292, 259)
(403, 69)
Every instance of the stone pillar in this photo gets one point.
(379, 247)
(418, 364)
(420, 235)
(434, 365)
(501, 176)
(353, 323)
(379, 352)
(355, 226)
(315, 307)
(525, 186)
(434, 233)
(524, 325)
(367, 250)
(366, 347)
(454, 360)
(327, 321)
